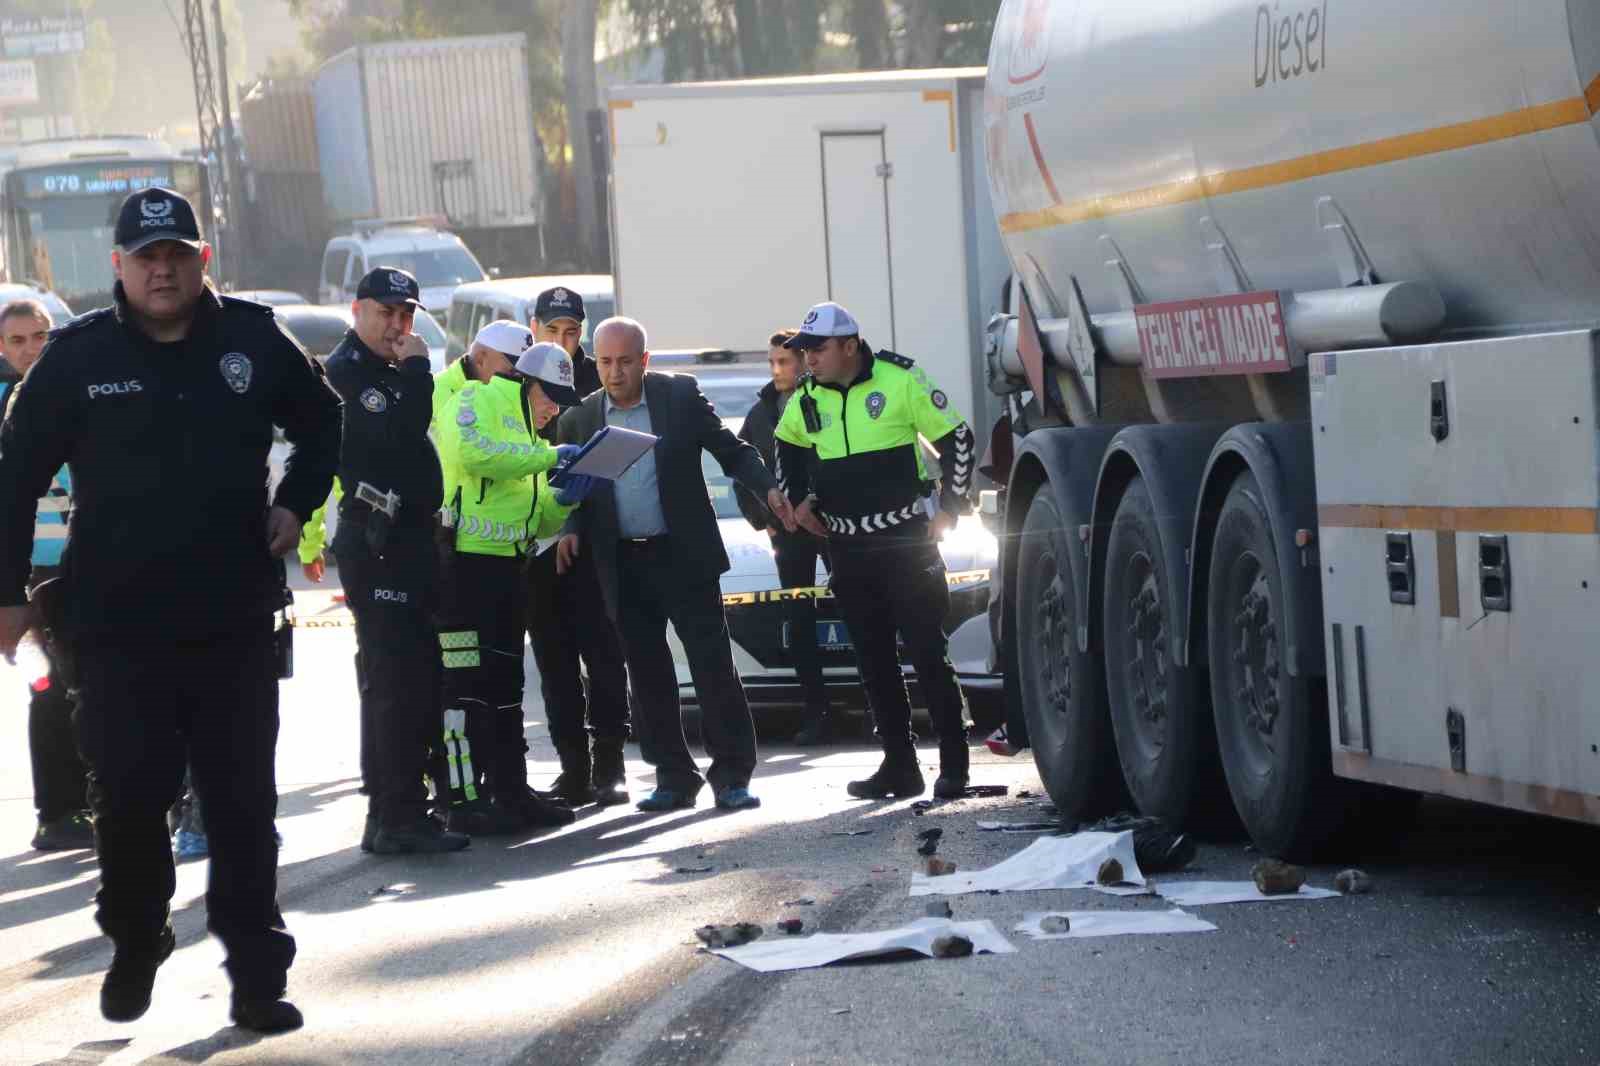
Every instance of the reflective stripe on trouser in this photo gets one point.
(481, 646)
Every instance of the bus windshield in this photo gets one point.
(59, 220)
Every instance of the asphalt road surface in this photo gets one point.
(1477, 946)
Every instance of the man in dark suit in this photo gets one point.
(656, 549)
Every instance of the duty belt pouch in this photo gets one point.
(377, 531)
(283, 628)
(444, 536)
(48, 601)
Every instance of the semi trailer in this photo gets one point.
(1303, 517)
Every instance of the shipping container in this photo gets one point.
(438, 128)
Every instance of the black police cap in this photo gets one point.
(390, 285)
(558, 302)
(155, 214)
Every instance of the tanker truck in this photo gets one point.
(1300, 365)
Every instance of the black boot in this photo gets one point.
(898, 776)
(369, 832)
(125, 994)
(572, 785)
(953, 760)
(265, 1014)
(421, 836)
(609, 780)
(818, 729)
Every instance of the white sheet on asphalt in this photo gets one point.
(1049, 862)
(774, 953)
(1205, 893)
(1087, 924)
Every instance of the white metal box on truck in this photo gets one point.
(440, 128)
(736, 205)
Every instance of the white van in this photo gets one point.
(437, 259)
(473, 306)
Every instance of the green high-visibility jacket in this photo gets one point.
(495, 487)
(314, 534)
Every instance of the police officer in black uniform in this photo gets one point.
(164, 406)
(388, 559)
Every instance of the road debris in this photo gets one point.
(937, 867)
(1206, 893)
(1018, 827)
(803, 901)
(792, 926)
(939, 908)
(930, 841)
(1079, 925)
(840, 1010)
(1276, 878)
(983, 791)
(820, 949)
(851, 833)
(1047, 863)
(693, 869)
(1352, 882)
(951, 946)
(1110, 873)
(1158, 849)
(728, 936)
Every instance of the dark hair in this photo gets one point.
(780, 336)
(18, 308)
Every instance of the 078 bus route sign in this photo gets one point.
(1237, 334)
(95, 180)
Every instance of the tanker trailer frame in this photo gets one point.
(1300, 551)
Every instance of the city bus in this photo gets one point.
(60, 201)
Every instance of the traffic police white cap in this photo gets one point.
(506, 337)
(822, 322)
(551, 366)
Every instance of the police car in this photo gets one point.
(759, 626)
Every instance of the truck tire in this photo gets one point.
(1272, 729)
(1062, 689)
(1159, 713)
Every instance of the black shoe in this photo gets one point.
(953, 761)
(125, 994)
(898, 776)
(816, 732)
(571, 787)
(70, 832)
(610, 777)
(486, 817)
(266, 1015)
(369, 832)
(536, 812)
(424, 836)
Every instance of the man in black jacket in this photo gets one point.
(567, 621)
(654, 542)
(388, 558)
(795, 553)
(170, 396)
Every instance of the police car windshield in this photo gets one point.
(435, 266)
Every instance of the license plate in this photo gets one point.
(831, 636)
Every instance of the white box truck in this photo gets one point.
(736, 205)
(435, 129)
(1305, 505)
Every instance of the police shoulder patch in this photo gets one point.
(894, 357)
(940, 400)
(374, 400)
(237, 370)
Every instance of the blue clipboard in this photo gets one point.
(643, 442)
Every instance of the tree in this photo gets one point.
(578, 27)
(869, 25)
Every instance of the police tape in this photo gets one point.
(957, 579)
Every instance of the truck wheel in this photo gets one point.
(1272, 729)
(1063, 689)
(1159, 715)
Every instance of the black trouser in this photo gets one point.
(149, 706)
(796, 555)
(392, 599)
(894, 582)
(480, 634)
(651, 591)
(60, 779)
(567, 623)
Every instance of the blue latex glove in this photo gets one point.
(566, 453)
(575, 489)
